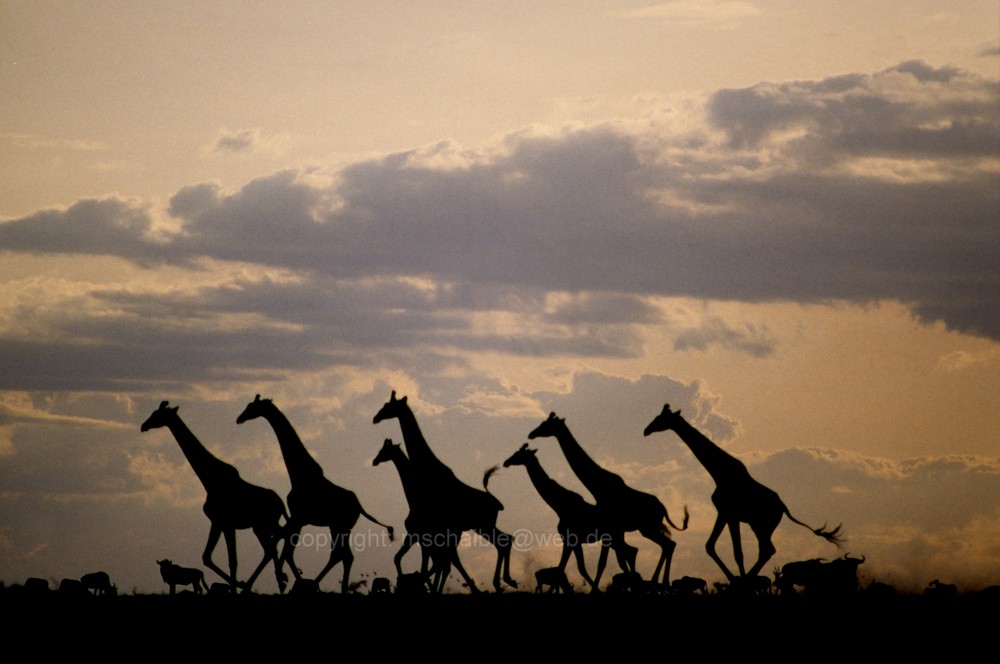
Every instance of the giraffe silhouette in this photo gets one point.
(580, 522)
(313, 500)
(424, 525)
(460, 506)
(738, 497)
(231, 504)
(622, 508)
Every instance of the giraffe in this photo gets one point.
(623, 508)
(738, 497)
(231, 503)
(423, 524)
(313, 500)
(457, 504)
(579, 521)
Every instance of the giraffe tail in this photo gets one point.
(389, 529)
(486, 485)
(832, 535)
(487, 475)
(687, 517)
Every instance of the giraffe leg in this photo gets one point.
(504, 544)
(765, 548)
(441, 568)
(408, 542)
(502, 541)
(206, 558)
(734, 533)
(582, 567)
(430, 567)
(602, 561)
(625, 553)
(508, 545)
(278, 558)
(348, 560)
(269, 544)
(275, 556)
(292, 531)
(720, 523)
(473, 588)
(426, 558)
(230, 536)
(499, 568)
(667, 547)
(340, 551)
(566, 551)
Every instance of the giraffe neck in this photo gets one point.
(595, 478)
(555, 495)
(721, 465)
(209, 469)
(300, 464)
(418, 451)
(406, 477)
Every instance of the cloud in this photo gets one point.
(107, 226)
(960, 360)
(20, 408)
(246, 141)
(911, 110)
(715, 331)
(592, 395)
(861, 187)
(240, 141)
(714, 13)
(39, 142)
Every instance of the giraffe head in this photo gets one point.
(665, 421)
(550, 427)
(254, 409)
(520, 458)
(160, 417)
(388, 452)
(392, 408)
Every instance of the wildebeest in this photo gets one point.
(304, 586)
(625, 582)
(689, 585)
(751, 585)
(937, 589)
(835, 578)
(220, 589)
(36, 585)
(380, 586)
(799, 573)
(880, 589)
(175, 575)
(414, 583)
(98, 583)
(72, 588)
(554, 578)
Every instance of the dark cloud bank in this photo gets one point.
(858, 187)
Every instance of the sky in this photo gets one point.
(778, 217)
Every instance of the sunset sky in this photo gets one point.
(781, 217)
